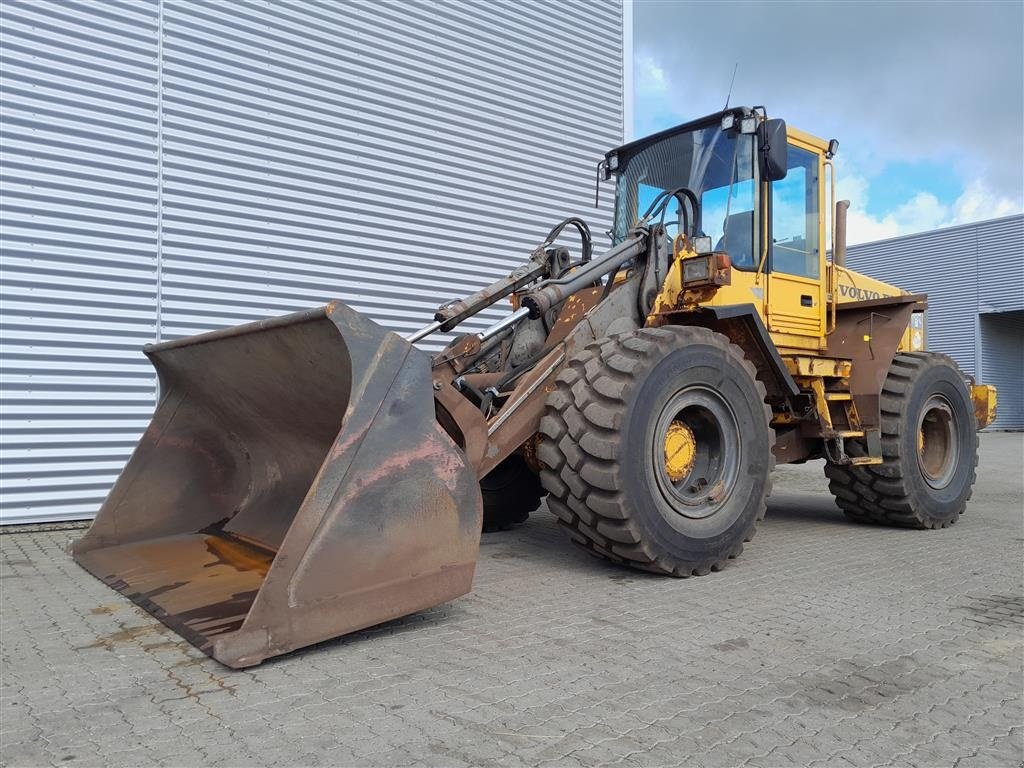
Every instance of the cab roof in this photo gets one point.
(705, 122)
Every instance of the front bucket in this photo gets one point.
(293, 486)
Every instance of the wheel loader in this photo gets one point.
(312, 475)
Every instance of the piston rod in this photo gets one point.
(487, 333)
(505, 322)
(422, 333)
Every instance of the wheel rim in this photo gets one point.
(938, 451)
(696, 452)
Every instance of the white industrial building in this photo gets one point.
(174, 166)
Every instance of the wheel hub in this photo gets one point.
(680, 451)
(938, 451)
(696, 452)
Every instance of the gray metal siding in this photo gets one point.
(172, 167)
(1002, 344)
(942, 264)
(974, 277)
(1001, 265)
(389, 154)
(79, 233)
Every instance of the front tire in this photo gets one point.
(656, 449)
(511, 491)
(929, 449)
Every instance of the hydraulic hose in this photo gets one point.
(582, 227)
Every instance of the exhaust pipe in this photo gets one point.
(839, 236)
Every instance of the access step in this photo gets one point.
(835, 447)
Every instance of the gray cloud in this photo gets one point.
(920, 81)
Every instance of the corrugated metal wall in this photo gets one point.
(171, 167)
(79, 249)
(943, 264)
(965, 270)
(1000, 244)
(1002, 360)
(1001, 324)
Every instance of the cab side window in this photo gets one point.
(728, 218)
(795, 217)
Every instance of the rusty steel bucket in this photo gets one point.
(293, 486)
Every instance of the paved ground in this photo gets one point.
(827, 643)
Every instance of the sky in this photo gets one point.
(925, 98)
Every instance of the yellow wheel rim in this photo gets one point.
(680, 451)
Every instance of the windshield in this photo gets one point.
(716, 165)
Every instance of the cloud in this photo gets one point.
(978, 202)
(921, 212)
(897, 82)
(650, 77)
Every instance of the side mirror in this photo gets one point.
(771, 150)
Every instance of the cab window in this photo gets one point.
(716, 166)
(728, 215)
(795, 247)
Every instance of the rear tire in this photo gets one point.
(511, 491)
(610, 467)
(929, 449)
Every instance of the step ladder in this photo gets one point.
(839, 422)
(827, 380)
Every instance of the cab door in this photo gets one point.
(796, 291)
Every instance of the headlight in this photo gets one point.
(713, 269)
(917, 320)
(916, 341)
(695, 270)
(728, 121)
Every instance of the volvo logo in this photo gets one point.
(860, 294)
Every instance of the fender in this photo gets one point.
(743, 326)
(868, 333)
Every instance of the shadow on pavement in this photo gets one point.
(808, 507)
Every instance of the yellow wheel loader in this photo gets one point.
(312, 475)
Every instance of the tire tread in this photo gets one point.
(879, 493)
(586, 409)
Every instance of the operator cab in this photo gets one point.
(760, 200)
(716, 165)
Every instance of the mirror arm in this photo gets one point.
(764, 233)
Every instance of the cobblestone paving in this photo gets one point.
(826, 643)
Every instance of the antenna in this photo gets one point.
(729, 94)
